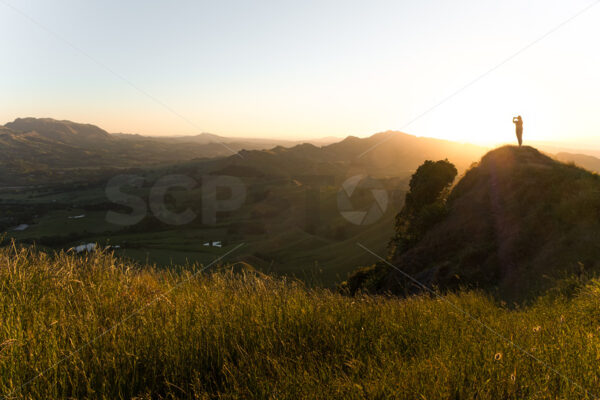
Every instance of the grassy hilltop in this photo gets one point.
(514, 224)
(95, 327)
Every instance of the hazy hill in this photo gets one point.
(393, 150)
(583, 160)
(44, 150)
(516, 221)
(62, 131)
(249, 143)
(232, 143)
(385, 154)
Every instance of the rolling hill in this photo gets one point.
(382, 155)
(583, 160)
(66, 132)
(517, 223)
(290, 219)
(44, 150)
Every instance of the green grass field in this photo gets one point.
(98, 327)
(273, 229)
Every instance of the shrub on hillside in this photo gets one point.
(425, 203)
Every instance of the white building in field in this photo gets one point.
(89, 247)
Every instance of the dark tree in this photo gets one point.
(425, 203)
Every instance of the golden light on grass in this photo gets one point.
(228, 335)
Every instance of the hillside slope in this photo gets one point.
(61, 131)
(583, 160)
(34, 151)
(45, 150)
(97, 327)
(384, 154)
(516, 222)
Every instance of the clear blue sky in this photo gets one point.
(304, 68)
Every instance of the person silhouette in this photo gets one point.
(518, 121)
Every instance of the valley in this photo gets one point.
(287, 213)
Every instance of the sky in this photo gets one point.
(306, 69)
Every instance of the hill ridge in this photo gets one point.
(58, 129)
(515, 222)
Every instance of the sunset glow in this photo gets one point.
(292, 70)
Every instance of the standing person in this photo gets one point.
(518, 121)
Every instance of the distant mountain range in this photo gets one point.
(583, 160)
(383, 155)
(44, 150)
(231, 143)
(243, 142)
(66, 132)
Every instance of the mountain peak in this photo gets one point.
(515, 221)
(58, 130)
(510, 156)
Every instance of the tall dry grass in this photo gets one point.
(98, 327)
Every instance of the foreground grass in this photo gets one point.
(231, 335)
